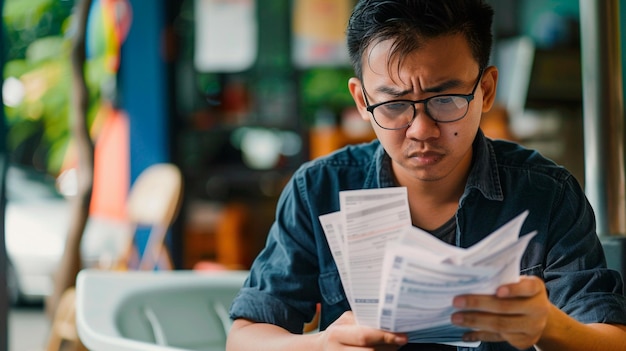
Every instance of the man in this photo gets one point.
(423, 80)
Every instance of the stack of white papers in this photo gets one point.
(399, 278)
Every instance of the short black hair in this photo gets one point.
(409, 22)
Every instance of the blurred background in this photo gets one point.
(235, 93)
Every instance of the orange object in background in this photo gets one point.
(111, 166)
(495, 124)
(352, 129)
(325, 140)
(217, 236)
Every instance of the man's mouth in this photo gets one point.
(426, 158)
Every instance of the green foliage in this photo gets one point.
(39, 38)
(46, 49)
(27, 21)
(325, 88)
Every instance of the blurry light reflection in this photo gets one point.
(13, 92)
(262, 148)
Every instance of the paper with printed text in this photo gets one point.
(400, 278)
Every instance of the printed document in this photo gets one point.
(399, 278)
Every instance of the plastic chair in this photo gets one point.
(156, 310)
(153, 202)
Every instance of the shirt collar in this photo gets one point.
(383, 168)
(483, 175)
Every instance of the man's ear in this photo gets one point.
(488, 84)
(354, 85)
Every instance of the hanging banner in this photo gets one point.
(108, 25)
(226, 35)
(319, 32)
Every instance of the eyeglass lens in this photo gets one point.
(398, 114)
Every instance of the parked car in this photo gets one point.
(37, 218)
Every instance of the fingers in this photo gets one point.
(516, 313)
(344, 331)
(520, 341)
(526, 287)
(521, 331)
(493, 304)
(363, 336)
(495, 323)
(513, 298)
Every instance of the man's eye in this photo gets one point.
(442, 100)
(396, 107)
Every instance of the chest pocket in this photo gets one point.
(331, 288)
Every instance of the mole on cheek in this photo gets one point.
(456, 133)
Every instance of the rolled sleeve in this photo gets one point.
(594, 297)
(576, 274)
(262, 307)
(599, 308)
(282, 288)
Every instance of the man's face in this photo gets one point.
(426, 150)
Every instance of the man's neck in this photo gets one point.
(433, 202)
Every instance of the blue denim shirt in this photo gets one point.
(296, 269)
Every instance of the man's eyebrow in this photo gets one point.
(445, 86)
(393, 92)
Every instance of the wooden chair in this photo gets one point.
(153, 202)
(63, 332)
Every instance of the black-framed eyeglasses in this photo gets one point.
(399, 114)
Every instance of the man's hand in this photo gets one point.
(517, 313)
(344, 333)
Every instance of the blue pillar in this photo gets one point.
(143, 87)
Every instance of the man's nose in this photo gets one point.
(422, 127)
